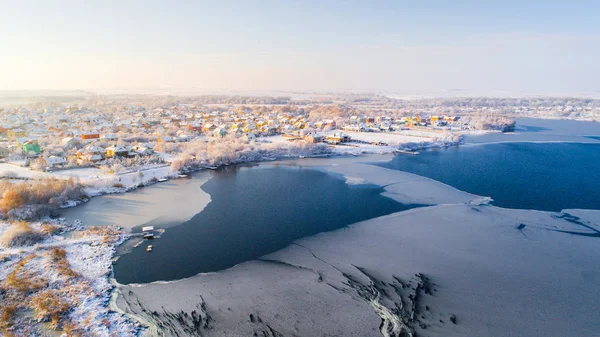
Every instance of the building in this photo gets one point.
(109, 137)
(165, 139)
(313, 138)
(54, 161)
(209, 127)
(337, 137)
(14, 134)
(220, 132)
(116, 151)
(4, 152)
(197, 127)
(90, 135)
(31, 146)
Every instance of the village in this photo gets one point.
(121, 137)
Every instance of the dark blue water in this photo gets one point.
(253, 212)
(542, 176)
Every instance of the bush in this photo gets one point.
(23, 281)
(7, 314)
(59, 260)
(42, 196)
(20, 234)
(49, 229)
(47, 305)
(31, 212)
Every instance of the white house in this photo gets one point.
(54, 161)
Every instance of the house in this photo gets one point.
(337, 137)
(183, 137)
(116, 151)
(143, 149)
(54, 161)
(220, 132)
(91, 149)
(89, 158)
(165, 139)
(109, 137)
(4, 152)
(69, 141)
(313, 138)
(355, 128)
(195, 127)
(209, 127)
(90, 135)
(31, 147)
(14, 134)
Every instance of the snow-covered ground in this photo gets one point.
(81, 283)
(90, 174)
(395, 138)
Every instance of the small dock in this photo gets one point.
(148, 232)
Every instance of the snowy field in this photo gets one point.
(79, 280)
(99, 182)
(395, 138)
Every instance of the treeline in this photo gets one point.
(233, 149)
(33, 199)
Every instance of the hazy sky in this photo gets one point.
(404, 46)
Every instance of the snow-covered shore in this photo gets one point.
(460, 267)
(67, 272)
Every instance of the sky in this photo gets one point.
(405, 47)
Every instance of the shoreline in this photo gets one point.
(291, 259)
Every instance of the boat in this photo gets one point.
(212, 167)
(301, 157)
(149, 248)
(162, 180)
(182, 176)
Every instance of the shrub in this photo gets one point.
(49, 229)
(31, 212)
(41, 195)
(12, 199)
(23, 281)
(59, 259)
(7, 314)
(47, 305)
(20, 234)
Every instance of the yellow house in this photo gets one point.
(260, 124)
(13, 134)
(116, 151)
(249, 128)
